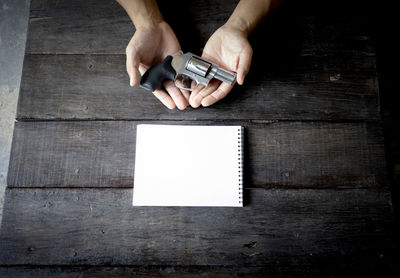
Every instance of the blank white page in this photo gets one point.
(188, 166)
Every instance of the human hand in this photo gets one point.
(148, 46)
(230, 49)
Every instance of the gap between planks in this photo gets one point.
(231, 121)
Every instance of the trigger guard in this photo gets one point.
(183, 88)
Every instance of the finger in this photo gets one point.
(165, 99)
(217, 95)
(199, 94)
(180, 84)
(244, 65)
(161, 94)
(132, 65)
(143, 68)
(177, 53)
(194, 94)
(176, 94)
(186, 94)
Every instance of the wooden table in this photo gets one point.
(317, 198)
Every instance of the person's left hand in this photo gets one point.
(230, 49)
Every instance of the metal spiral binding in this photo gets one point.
(240, 163)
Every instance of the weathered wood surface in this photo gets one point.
(302, 88)
(309, 68)
(292, 155)
(140, 271)
(332, 228)
(194, 271)
(146, 271)
(103, 27)
(318, 73)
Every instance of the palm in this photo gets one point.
(150, 46)
(153, 45)
(225, 47)
(229, 48)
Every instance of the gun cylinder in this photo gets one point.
(198, 66)
(206, 70)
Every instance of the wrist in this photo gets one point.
(239, 24)
(146, 22)
(143, 13)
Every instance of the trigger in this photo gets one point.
(181, 81)
(185, 79)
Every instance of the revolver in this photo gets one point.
(184, 70)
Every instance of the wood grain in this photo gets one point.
(310, 108)
(275, 228)
(127, 271)
(309, 67)
(145, 271)
(281, 154)
(302, 88)
(374, 270)
(103, 27)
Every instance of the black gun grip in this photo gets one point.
(154, 76)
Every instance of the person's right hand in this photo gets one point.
(149, 46)
(230, 49)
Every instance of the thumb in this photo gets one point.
(132, 67)
(134, 78)
(244, 65)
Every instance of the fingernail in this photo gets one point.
(203, 103)
(194, 105)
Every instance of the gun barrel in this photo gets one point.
(225, 76)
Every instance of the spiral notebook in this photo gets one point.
(179, 165)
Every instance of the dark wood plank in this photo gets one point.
(289, 78)
(102, 26)
(382, 269)
(291, 88)
(281, 154)
(78, 27)
(150, 271)
(328, 228)
(78, 154)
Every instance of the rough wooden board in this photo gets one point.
(291, 88)
(78, 27)
(73, 154)
(382, 269)
(102, 26)
(163, 271)
(287, 81)
(276, 228)
(282, 154)
(149, 271)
